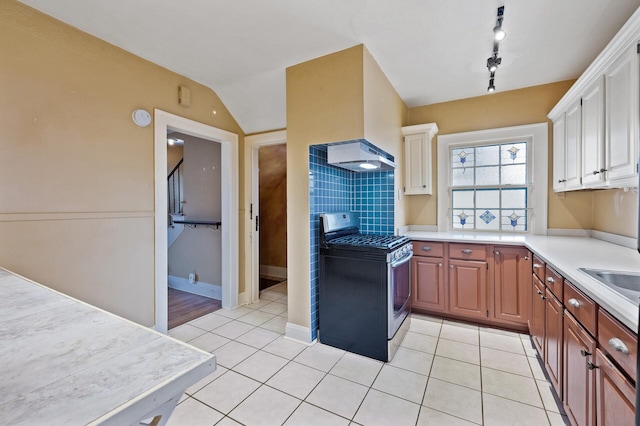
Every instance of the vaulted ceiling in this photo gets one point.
(431, 50)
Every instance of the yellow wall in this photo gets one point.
(76, 174)
(330, 99)
(616, 211)
(502, 109)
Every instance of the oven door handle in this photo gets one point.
(401, 261)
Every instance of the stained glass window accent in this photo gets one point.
(490, 187)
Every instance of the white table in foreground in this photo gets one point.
(64, 362)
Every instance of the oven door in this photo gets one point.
(399, 292)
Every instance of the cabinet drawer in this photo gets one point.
(467, 251)
(581, 307)
(618, 342)
(538, 267)
(428, 248)
(553, 281)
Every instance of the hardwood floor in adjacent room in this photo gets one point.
(184, 307)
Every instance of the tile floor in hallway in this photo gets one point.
(445, 373)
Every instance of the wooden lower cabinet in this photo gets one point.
(553, 341)
(468, 288)
(512, 284)
(579, 374)
(536, 319)
(615, 395)
(428, 283)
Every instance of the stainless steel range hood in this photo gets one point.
(358, 157)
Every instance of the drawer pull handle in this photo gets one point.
(618, 346)
(591, 365)
(467, 251)
(526, 258)
(574, 303)
(537, 265)
(439, 264)
(584, 353)
(539, 292)
(550, 280)
(497, 253)
(426, 248)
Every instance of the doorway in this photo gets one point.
(229, 234)
(194, 238)
(268, 265)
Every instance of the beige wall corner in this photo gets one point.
(616, 211)
(78, 175)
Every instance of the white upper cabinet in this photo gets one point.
(593, 135)
(621, 105)
(596, 123)
(417, 158)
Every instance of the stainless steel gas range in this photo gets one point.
(364, 288)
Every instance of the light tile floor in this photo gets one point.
(445, 373)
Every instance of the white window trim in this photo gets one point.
(538, 148)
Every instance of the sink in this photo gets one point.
(625, 283)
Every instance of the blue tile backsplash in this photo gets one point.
(332, 189)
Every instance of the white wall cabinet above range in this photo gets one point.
(595, 125)
(417, 158)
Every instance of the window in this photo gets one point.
(486, 180)
(489, 187)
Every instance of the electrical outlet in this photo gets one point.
(192, 278)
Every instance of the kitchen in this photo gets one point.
(125, 148)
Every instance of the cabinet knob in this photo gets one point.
(584, 353)
(537, 265)
(526, 258)
(539, 292)
(550, 280)
(603, 170)
(439, 264)
(424, 186)
(497, 253)
(573, 302)
(467, 251)
(591, 365)
(618, 346)
(451, 266)
(426, 248)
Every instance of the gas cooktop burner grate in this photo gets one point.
(368, 240)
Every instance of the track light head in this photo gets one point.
(498, 33)
(492, 87)
(493, 62)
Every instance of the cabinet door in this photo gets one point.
(428, 283)
(573, 147)
(593, 135)
(615, 396)
(417, 160)
(537, 317)
(621, 91)
(512, 284)
(579, 378)
(559, 148)
(468, 288)
(553, 341)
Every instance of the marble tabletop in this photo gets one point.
(566, 255)
(64, 362)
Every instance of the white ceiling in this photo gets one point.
(431, 50)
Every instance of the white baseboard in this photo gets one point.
(200, 288)
(273, 271)
(559, 232)
(423, 228)
(620, 240)
(298, 332)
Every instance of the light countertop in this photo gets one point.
(566, 255)
(66, 362)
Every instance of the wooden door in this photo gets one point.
(553, 341)
(468, 288)
(512, 284)
(615, 396)
(537, 317)
(578, 377)
(428, 284)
